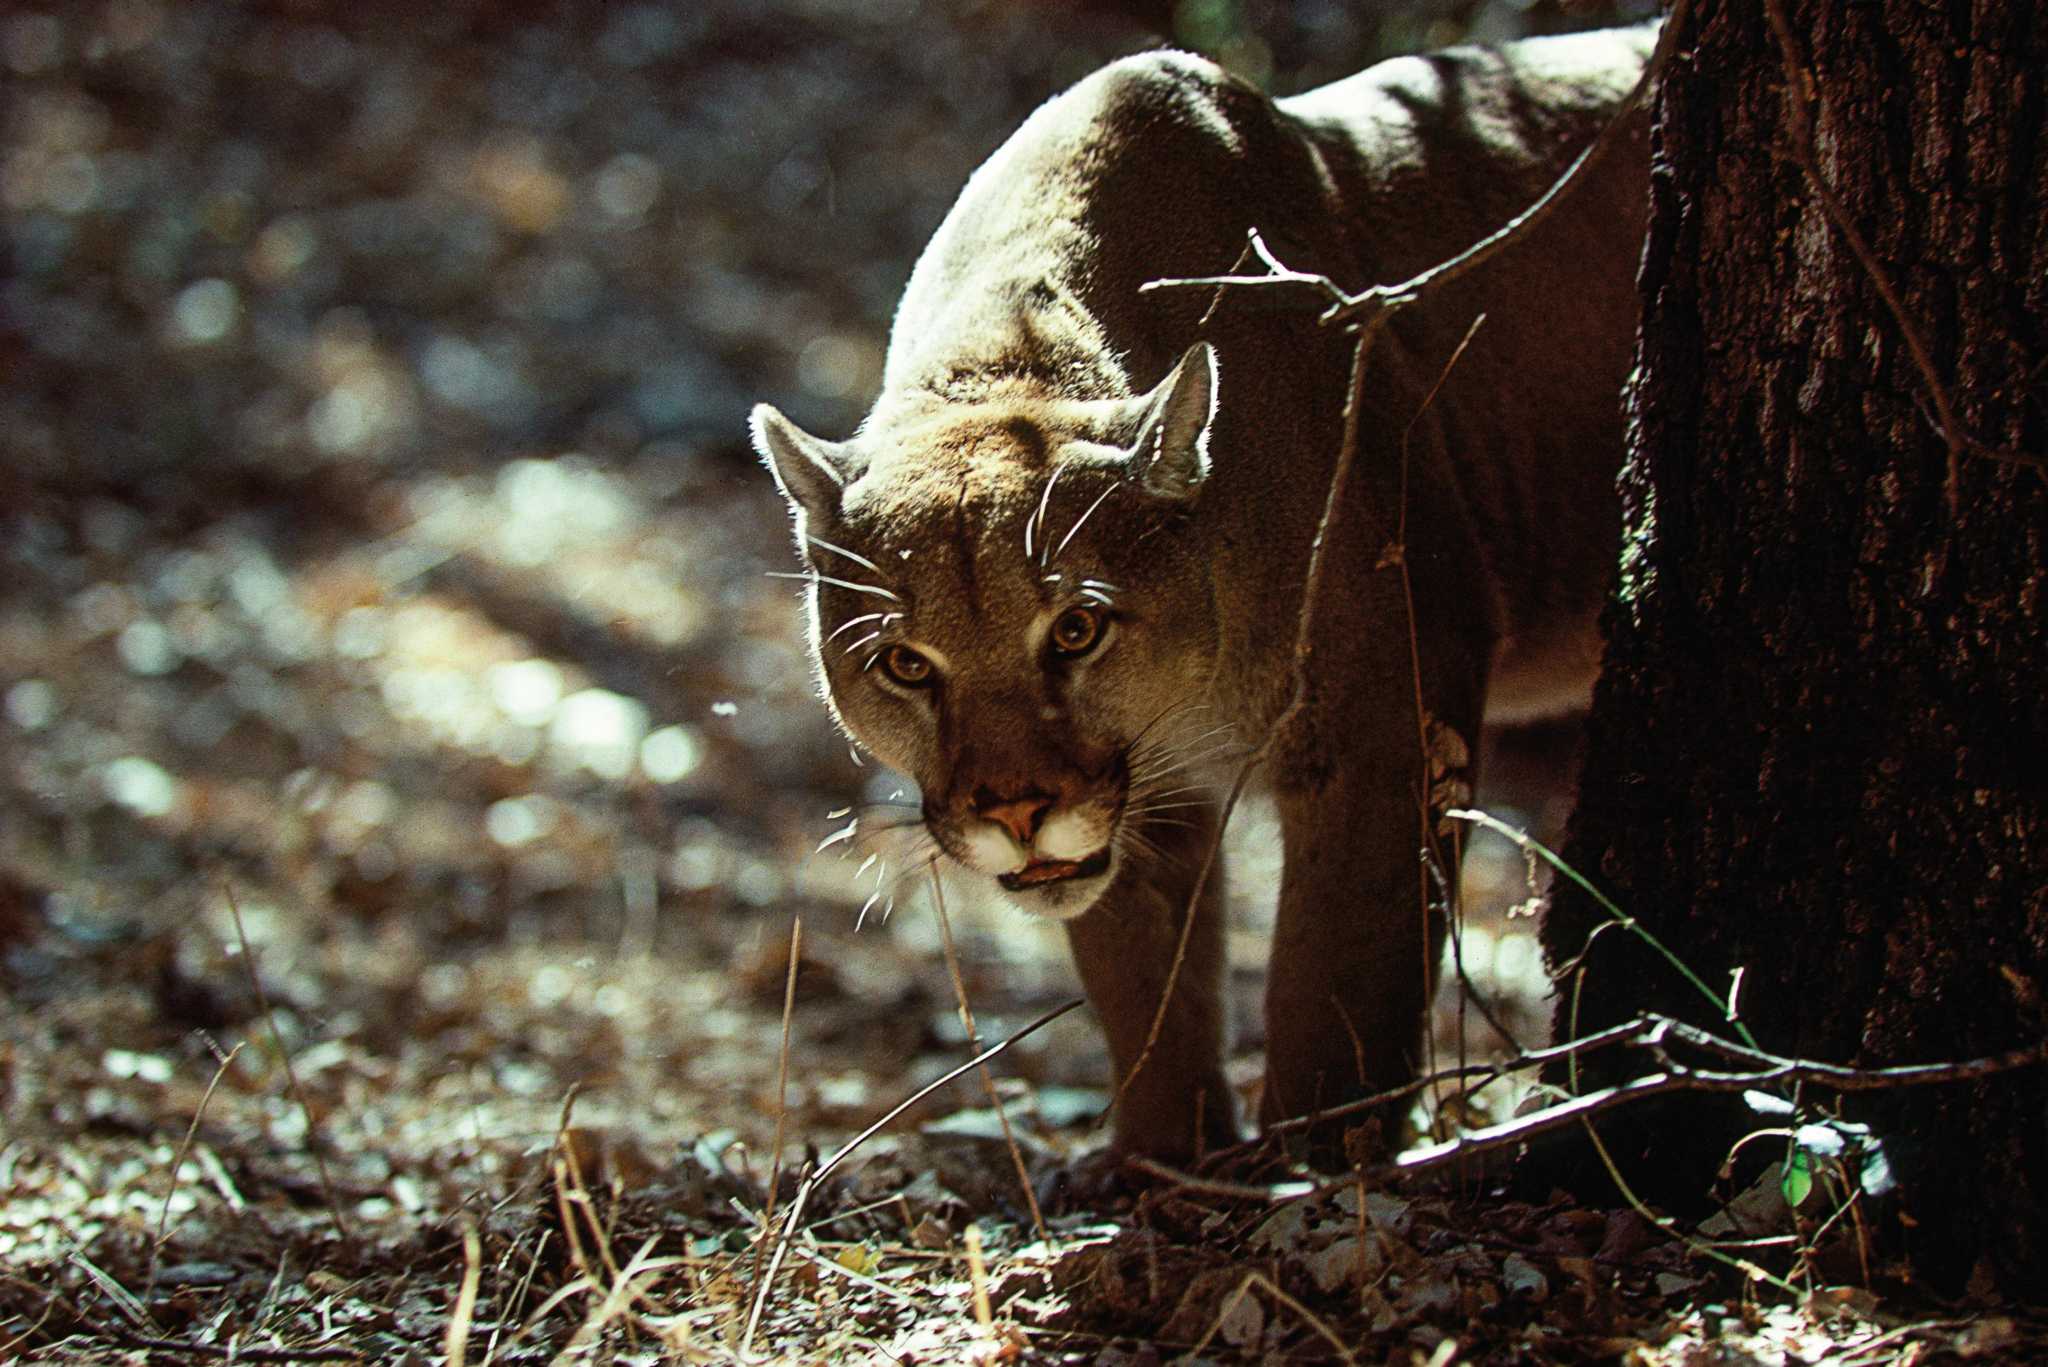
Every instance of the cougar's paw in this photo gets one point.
(1101, 1180)
(1337, 1145)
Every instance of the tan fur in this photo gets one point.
(1053, 451)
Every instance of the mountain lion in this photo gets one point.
(1056, 576)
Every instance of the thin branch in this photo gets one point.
(1280, 1297)
(988, 1081)
(1623, 1033)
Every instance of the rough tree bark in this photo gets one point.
(1820, 752)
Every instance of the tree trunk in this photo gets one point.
(1820, 752)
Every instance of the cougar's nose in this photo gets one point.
(1021, 815)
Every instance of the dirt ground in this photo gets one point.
(410, 781)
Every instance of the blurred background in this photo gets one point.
(382, 563)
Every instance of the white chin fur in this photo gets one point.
(1072, 834)
(990, 850)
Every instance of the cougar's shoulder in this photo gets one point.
(1147, 168)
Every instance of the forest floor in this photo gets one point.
(410, 782)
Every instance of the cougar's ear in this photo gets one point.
(1171, 456)
(811, 472)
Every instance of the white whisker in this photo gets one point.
(852, 622)
(1167, 758)
(1154, 775)
(854, 556)
(1037, 518)
(871, 636)
(1182, 743)
(875, 589)
(1176, 792)
(1078, 522)
(1168, 821)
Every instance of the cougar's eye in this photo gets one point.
(1075, 631)
(907, 667)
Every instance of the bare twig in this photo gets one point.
(793, 1218)
(19, 1341)
(1530, 846)
(1304, 647)
(517, 1304)
(988, 1081)
(163, 1219)
(1230, 1191)
(1489, 1072)
(1396, 555)
(284, 1055)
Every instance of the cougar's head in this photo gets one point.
(1008, 603)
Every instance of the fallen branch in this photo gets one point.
(234, 1353)
(1654, 1032)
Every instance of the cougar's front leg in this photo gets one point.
(1178, 1104)
(1355, 946)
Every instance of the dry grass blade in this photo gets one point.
(576, 1286)
(456, 1342)
(796, 949)
(163, 1219)
(19, 1341)
(235, 1352)
(123, 1299)
(628, 1284)
(284, 1055)
(977, 1276)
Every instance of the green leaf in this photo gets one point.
(1797, 1183)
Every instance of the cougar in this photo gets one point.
(1056, 576)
